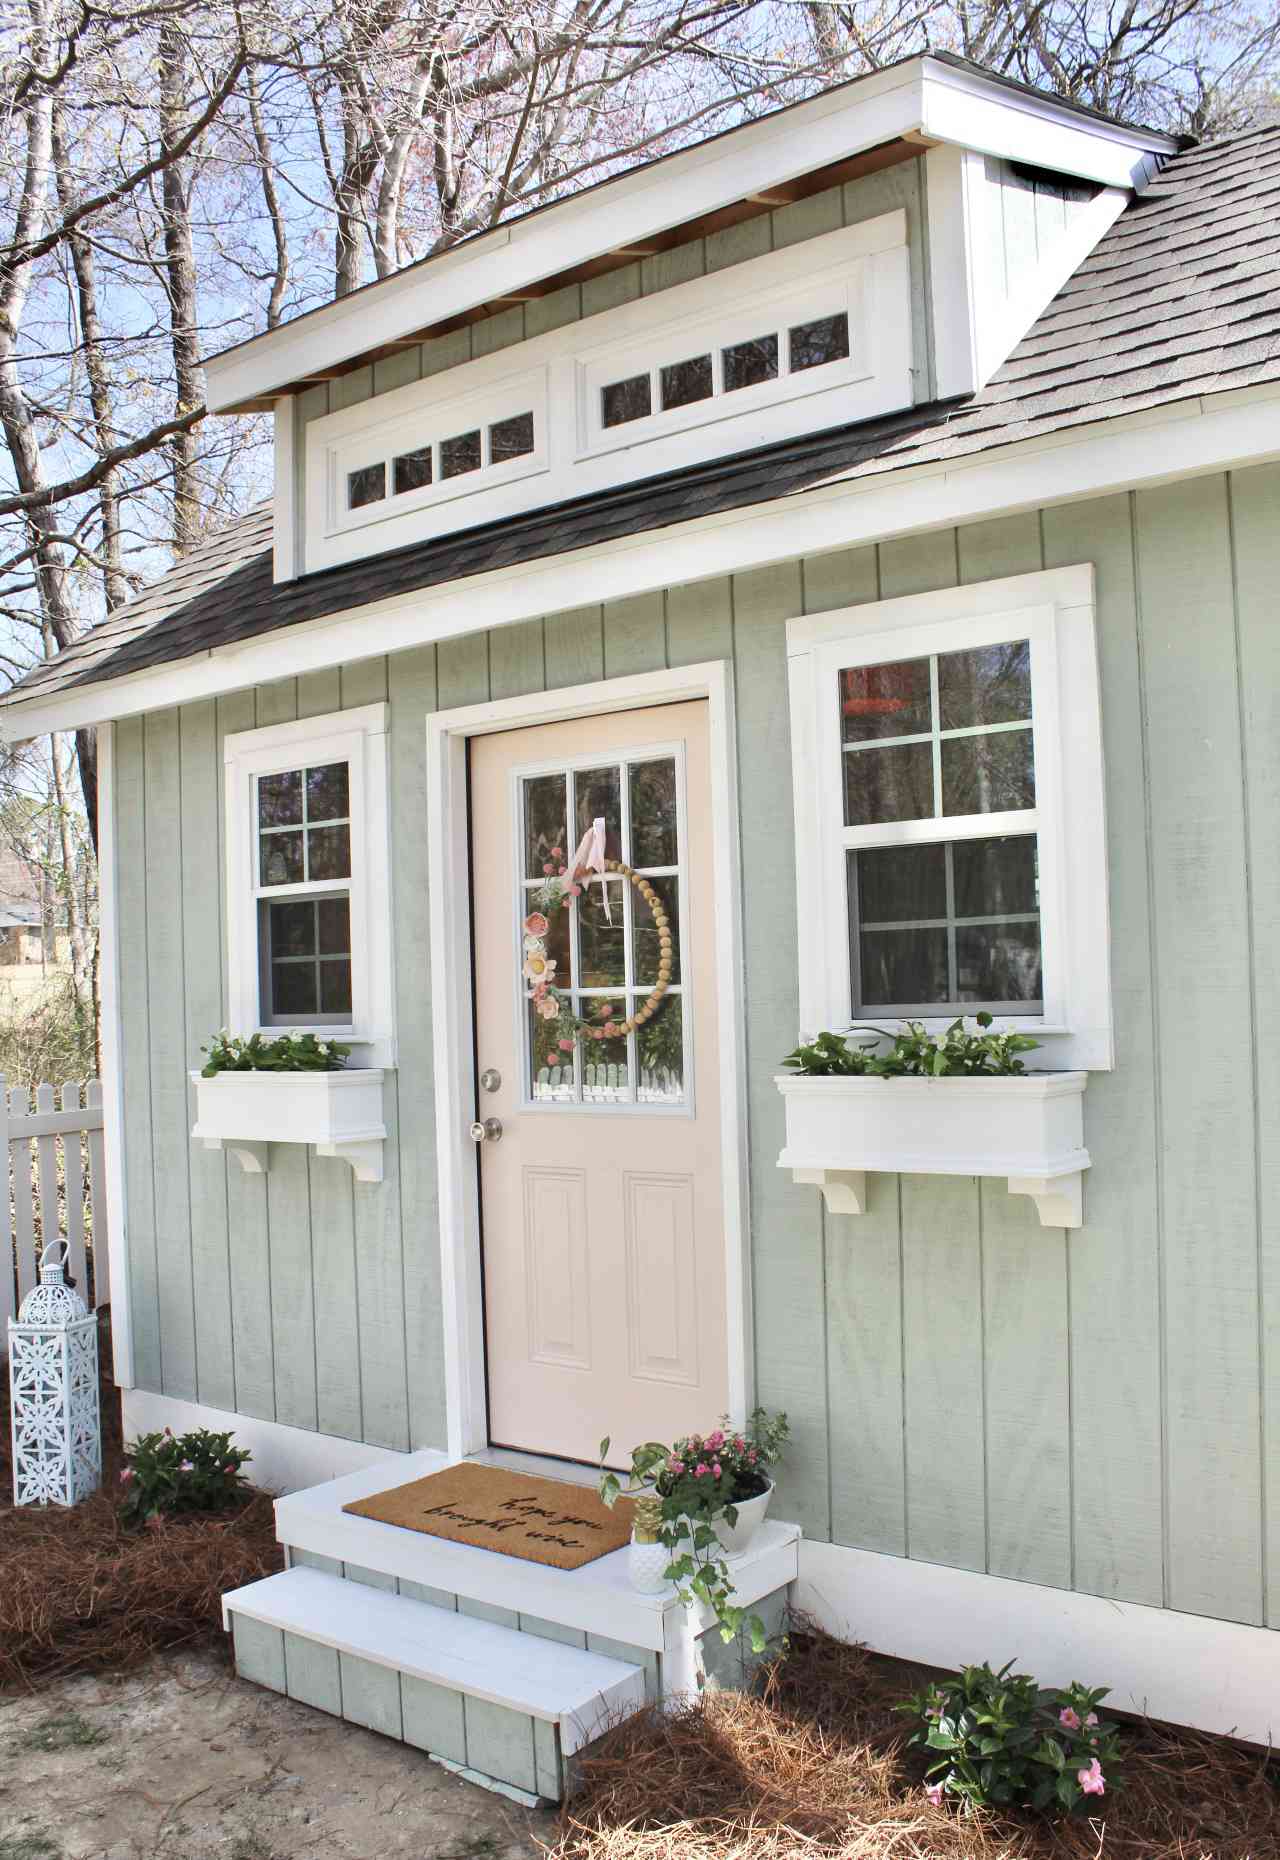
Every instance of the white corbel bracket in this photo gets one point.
(255, 1158)
(1059, 1199)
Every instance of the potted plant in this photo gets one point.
(296, 1088)
(958, 1102)
(701, 1501)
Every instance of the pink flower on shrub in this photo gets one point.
(934, 1793)
(230, 1467)
(1092, 1720)
(1069, 1718)
(186, 1466)
(751, 1457)
(701, 1470)
(715, 1441)
(126, 1475)
(675, 1466)
(1091, 1780)
(535, 924)
(739, 1446)
(715, 1470)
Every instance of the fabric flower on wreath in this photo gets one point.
(538, 966)
(535, 924)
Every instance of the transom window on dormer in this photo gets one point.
(476, 450)
(726, 369)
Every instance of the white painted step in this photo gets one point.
(581, 1692)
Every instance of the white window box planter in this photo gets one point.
(1029, 1128)
(338, 1113)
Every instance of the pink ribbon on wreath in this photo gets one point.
(590, 858)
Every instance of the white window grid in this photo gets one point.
(633, 993)
(777, 332)
(948, 829)
(387, 456)
(304, 888)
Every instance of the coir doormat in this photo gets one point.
(541, 1520)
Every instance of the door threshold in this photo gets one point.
(540, 1466)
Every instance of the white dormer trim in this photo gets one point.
(922, 98)
(861, 272)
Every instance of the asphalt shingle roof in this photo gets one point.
(1180, 298)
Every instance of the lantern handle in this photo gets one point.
(59, 1265)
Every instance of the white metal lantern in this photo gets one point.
(53, 1391)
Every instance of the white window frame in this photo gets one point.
(359, 738)
(1054, 609)
(682, 990)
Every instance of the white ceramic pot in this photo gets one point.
(645, 1566)
(751, 1515)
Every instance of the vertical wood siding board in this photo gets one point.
(135, 1052)
(1208, 1159)
(293, 1316)
(785, 1220)
(918, 564)
(864, 1373)
(543, 314)
(1255, 512)
(330, 1192)
(872, 194)
(498, 332)
(248, 1241)
(806, 219)
(845, 578)
(170, 1129)
(748, 239)
(943, 1361)
(277, 702)
(610, 289)
(634, 635)
(365, 682)
(352, 388)
(678, 266)
(574, 647)
(397, 370)
(1114, 1259)
(462, 670)
(446, 351)
(1003, 546)
(517, 661)
(319, 693)
(1025, 1344)
(379, 1247)
(700, 622)
(201, 779)
(417, 1364)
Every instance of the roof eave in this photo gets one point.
(922, 101)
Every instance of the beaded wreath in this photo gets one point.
(539, 968)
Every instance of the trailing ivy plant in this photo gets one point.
(292, 1052)
(1000, 1740)
(960, 1052)
(691, 1484)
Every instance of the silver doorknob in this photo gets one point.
(487, 1132)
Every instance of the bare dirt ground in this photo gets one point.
(178, 1760)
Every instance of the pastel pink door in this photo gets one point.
(603, 1220)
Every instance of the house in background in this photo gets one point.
(871, 516)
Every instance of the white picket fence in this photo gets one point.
(56, 1189)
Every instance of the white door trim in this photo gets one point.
(451, 1006)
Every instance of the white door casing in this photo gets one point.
(452, 1004)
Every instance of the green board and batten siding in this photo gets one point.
(1093, 1410)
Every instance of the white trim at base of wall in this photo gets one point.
(1190, 1669)
(285, 1459)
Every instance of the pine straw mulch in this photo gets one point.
(81, 1593)
(814, 1766)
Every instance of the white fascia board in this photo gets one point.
(921, 96)
(1205, 434)
(980, 113)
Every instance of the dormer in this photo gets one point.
(880, 246)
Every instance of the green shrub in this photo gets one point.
(999, 1741)
(292, 1052)
(167, 1474)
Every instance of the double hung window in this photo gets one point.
(307, 879)
(949, 813)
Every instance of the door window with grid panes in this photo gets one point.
(942, 856)
(606, 961)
